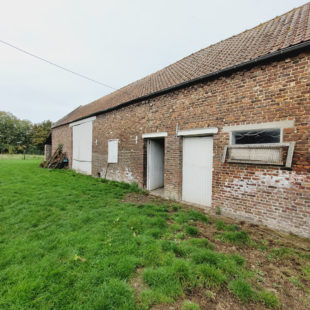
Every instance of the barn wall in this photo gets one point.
(63, 135)
(265, 194)
(269, 195)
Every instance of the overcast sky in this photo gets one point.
(115, 42)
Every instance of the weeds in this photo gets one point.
(210, 295)
(201, 243)
(295, 281)
(269, 299)
(149, 298)
(188, 305)
(192, 231)
(237, 237)
(183, 217)
(211, 276)
(163, 280)
(232, 234)
(306, 272)
(242, 290)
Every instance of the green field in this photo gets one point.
(69, 241)
(21, 156)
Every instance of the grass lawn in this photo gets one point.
(69, 241)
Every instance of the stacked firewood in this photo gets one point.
(58, 160)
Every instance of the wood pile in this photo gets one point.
(58, 160)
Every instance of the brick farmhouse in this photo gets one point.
(224, 128)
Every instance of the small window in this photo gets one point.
(113, 151)
(256, 136)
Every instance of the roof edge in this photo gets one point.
(228, 70)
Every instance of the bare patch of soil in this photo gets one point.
(137, 198)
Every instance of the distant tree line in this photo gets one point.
(22, 136)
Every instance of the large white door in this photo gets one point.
(155, 164)
(197, 170)
(82, 147)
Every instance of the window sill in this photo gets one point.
(262, 154)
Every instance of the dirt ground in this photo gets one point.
(277, 259)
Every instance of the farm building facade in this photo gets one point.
(226, 127)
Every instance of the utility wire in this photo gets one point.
(58, 66)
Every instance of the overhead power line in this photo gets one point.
(55, 65)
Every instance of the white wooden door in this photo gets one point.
(155, 164)
(197, 170)
(82, 147)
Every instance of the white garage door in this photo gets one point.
(82, 147)
(197, 170)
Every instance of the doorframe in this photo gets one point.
(149, 157)
(146, 137)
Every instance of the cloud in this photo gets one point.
(116, 42)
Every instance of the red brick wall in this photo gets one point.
(264, 194)
(63, 135)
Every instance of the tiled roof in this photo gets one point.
(281, 32)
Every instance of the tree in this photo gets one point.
(18, 135)
(14, 133)
(39, 133)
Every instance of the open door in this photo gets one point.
(155, 163)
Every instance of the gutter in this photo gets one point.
(243, 65)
